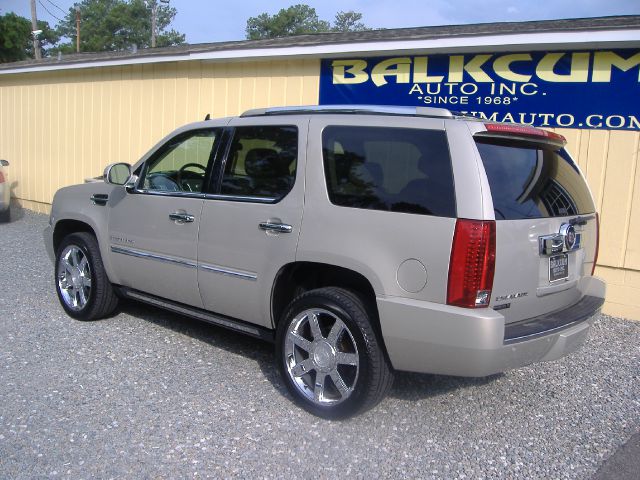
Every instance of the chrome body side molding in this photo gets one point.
(132, 252)
(226, 271)
(207, 196)
(152, 256)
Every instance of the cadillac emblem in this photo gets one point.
(569, 234)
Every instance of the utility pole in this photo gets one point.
(77, 29)
(154, 19)
(34, 29)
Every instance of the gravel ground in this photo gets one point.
(148, 394)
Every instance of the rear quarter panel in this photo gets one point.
(372, 242)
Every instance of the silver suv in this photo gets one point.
(360, 240)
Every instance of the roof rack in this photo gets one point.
(354, 109)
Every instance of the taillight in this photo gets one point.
(472, 264)
(2, 180)
(595, 257)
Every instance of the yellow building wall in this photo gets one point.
(609, 159)
(58, 128)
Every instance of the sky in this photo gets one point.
(220, 20)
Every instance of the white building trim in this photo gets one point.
(586, 39)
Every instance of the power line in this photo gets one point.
(57, 6)
(47, 10)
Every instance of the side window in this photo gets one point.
(393, 169)
(181, 164)
(262, 162)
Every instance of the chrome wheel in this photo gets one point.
(321, 357)
(74, 277)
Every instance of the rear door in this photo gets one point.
(546, 227)
(250, 227)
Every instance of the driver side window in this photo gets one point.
(181, 164)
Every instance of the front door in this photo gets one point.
(153, 231)
(250, 228)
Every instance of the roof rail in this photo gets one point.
(355, 109)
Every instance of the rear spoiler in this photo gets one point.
(521, 132)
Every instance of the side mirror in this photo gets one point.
(4, 163)
(117, 173)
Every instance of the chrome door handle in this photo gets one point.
(181, 217)
(276, 227)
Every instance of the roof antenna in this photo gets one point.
(208, 117)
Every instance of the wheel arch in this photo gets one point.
(72, 224)
(297, 277)
(68, 226)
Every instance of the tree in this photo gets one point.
(14, 37)
(295, 20)
(109, 25)
(16, 41)
(300, 19)
(348, 22)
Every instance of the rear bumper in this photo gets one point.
(433, 338)
(545, 325)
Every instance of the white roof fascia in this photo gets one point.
(615, 38)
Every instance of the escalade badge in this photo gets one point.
(117, 239)
(569, 234)
(511, 296)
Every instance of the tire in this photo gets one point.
(327, 334)
(5, 216)
(82, 285)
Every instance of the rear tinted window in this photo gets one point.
(528, 181)
(392, 169)
(261, 162)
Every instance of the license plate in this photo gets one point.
(558, 267)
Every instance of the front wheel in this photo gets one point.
(330, 358)
(82, 285)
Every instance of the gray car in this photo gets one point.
(5, 193)
(360, 240)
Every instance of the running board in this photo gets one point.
(200, 314)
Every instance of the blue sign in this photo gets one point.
(572, 89)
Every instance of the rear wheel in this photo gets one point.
(82, 285)
(329, 355)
